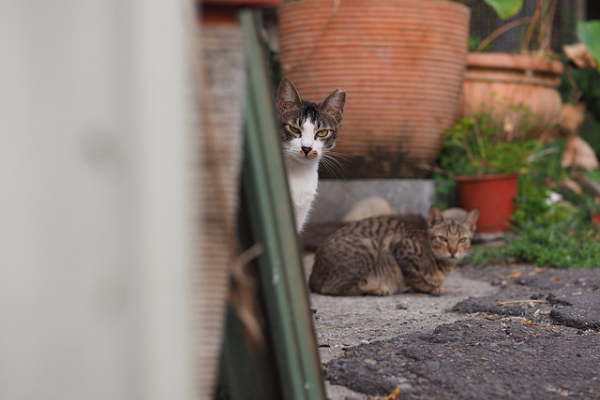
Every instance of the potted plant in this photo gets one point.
(530, 79)
(485, 168)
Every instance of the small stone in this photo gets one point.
(403, 305)
(364, 341)
(433, 365)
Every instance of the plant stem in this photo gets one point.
(479, 141)
(530, 28)
(468, 150)
(503, 29)
(576, 95)
(545, 47)
(541, 153)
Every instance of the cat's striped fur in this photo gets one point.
(391, 254)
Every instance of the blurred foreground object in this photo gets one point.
(96, 172)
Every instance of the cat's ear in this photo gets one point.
(333, 105)
(435, 216)
(288, 98)
(471, 219)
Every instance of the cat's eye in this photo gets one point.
(323, 133)
(462, 240)
(293, 129)
(442, 239)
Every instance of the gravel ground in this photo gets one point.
(514, 332)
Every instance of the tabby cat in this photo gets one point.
(308, 132)
(392, 254)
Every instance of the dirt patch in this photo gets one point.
(476, 359)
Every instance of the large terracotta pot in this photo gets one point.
(493, 195)
(497, 82)
(401, 63)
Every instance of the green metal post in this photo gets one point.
(272, 225)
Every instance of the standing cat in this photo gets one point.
(308, 131)
(391, 254)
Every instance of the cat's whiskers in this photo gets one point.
(347, 140)
(333, 166)
(307, 130)
(328, 166)
(343, 157)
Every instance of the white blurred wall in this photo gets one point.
(95, 261)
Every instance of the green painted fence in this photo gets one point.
(290, 360)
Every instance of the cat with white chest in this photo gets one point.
(308, 132)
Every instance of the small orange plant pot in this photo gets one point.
(493, 195)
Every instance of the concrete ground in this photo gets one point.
(509, 332)
(512, 332)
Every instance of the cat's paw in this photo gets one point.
(379, 292)
(438, 291)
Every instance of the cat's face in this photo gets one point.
(450, 239)
(308, 130)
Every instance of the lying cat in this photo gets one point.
(391, 254)
(308, 131)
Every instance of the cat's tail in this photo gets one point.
(314, 284)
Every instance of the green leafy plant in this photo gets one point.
(567, 245)
(545, 171)
(474, 146)
(549, 233)
(505, 8)
(583, 84)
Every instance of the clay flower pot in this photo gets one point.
(497, 82)
(401, 62)
(493, 195)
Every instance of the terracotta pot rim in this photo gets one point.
(495, 177)
(386, 4)
(514, 61)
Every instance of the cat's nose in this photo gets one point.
(306, 150)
